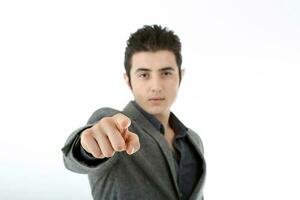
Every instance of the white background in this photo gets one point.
(61, 60)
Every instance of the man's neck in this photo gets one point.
(164, 119)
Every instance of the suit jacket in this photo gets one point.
(147, 174)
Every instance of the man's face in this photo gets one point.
(154, 80)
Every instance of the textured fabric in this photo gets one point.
(187, 162)
(149, 173)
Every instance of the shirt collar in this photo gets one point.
(179, 128)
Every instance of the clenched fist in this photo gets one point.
(109, 135)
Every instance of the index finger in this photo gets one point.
(115, 137)
(122, 122)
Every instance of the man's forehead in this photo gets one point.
(154, 61)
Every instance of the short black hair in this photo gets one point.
(152, 38)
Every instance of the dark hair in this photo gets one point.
(152, 38)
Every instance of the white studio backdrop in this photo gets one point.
(62, 60)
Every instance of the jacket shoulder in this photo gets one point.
(102, 112)
(197, 138)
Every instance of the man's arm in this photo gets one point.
(73, 155)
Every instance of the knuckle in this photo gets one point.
(96, 129)
(109, 154)
(86, 135)
(96, 154)
(101, 156)
(105, 120)
(119, 146)
(118, 115)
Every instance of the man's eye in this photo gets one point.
(167, 73)
(143, 75)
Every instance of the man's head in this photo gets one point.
(153, 67)
(152, 39)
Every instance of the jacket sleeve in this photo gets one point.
(72, 157)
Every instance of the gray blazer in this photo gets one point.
(147, 174)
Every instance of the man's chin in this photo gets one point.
(155, 110)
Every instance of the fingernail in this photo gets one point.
(132, 151)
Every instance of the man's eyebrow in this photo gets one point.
(149, 70)
(167, 68)
(142, 69)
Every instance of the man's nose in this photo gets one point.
(156, 85)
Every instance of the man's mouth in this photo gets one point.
(156, 99)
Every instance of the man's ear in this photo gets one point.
(182, 73)
(127, 80)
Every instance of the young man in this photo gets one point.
(144, 151)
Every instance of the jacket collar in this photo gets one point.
(179, 128)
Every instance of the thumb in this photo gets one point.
(132, 143)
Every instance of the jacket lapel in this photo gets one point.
(134, 114)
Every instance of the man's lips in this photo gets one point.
(156, 99)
